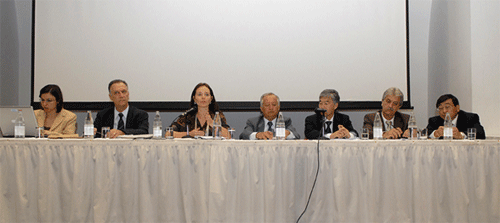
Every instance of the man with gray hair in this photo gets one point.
(122, 118)
(337, 125)
(395, 124)
(263, 126)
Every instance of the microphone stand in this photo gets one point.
(323, 121)
(188, 122)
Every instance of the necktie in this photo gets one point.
(121, 126)
(270, 124)
(328, 129)
(389, 125)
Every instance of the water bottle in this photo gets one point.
(217, 126)
(412, 127)
(448, 127)
(19, 128)
(377, 127)
(157, 133)
(280, 127)
(88, 128)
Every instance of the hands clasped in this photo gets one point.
(342, 133)
(440, 132)
(269, 135)
(394, 133)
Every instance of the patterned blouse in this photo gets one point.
(179, 124)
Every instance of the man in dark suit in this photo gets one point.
(121, 118)
(461, 120)
(394, 123)
(337, 125)
(262, 126)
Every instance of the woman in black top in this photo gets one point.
(200, 120)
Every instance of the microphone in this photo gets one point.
(320, 111)
(194, 108)
(188, 122)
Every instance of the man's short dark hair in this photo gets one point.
(445, 97)
(114, 82)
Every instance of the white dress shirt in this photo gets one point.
(351, 136)
(253, 136)
(117, 118)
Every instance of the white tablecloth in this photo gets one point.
(248, 181)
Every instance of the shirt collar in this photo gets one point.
(454, 121)
(384, 120)
(117, 117)
(266, 121)
(331, 118)
(124, 112)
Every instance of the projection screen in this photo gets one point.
(163, 48)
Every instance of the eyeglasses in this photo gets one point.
(48, 100)
(445, 107)
(394, 103)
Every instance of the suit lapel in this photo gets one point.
(398, 121)
(109, 117)
(58, 120)
(260, 124)
(129, 117)
(461, 119)
(440, 121)
(336, 122)
(381, 119)
(40, 119)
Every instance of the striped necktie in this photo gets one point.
(328, 129)
(121, 125)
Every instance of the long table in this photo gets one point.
(249, 181)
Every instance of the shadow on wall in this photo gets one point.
(9, 53)
(449, 52)
(438, 52)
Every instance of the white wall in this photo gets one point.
(419, 18)
(348, 45)
(464, 57)
(449, 51)
(485, 63)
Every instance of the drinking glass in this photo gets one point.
(471, 133)
(365, 134)
(105, 132)
(231, 133)
(169, 132)
(39, 133)
(423, 133)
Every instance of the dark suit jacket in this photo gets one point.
(256, 124)
(465, 120)
(137, 121)
(313, 126)
(400, 120)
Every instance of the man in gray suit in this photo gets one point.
(262, 127)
